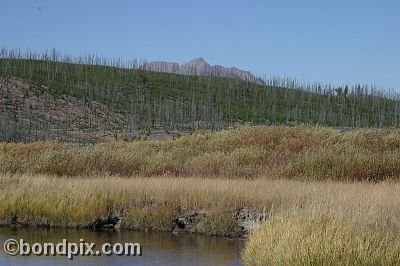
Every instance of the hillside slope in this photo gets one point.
(29, 113)
(95, 99)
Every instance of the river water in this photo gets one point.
(157, 248)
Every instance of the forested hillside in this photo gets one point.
(91, 96)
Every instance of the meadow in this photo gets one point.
(332, 196)
(279, 152)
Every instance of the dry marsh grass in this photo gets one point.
(334, 196)
(303, 153)
(320, 241)
(360, 221)
(153, 203)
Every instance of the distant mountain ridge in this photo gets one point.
(200, 67)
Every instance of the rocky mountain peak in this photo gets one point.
(199, 60)
(200, 67)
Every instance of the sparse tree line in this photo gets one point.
(147, 100)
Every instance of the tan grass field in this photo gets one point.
(72, 201)
(321, 241)
(370, 212)
(301, 153)
(333, 197)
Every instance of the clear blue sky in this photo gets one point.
(339, 41)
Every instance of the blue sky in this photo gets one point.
(338, 41)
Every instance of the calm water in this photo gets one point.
(157, 248)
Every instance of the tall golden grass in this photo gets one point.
(303, 153)
(153, 203)
(329, 192)
(320, 241)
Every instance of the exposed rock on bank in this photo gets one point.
(193, 222)
(249, 220)
(240, 223)
(245, 222)
(113, 220)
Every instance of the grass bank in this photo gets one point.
(301, 153)
(155, 203)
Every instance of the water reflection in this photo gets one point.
(157, 248)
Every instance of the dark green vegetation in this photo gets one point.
(150, 100)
